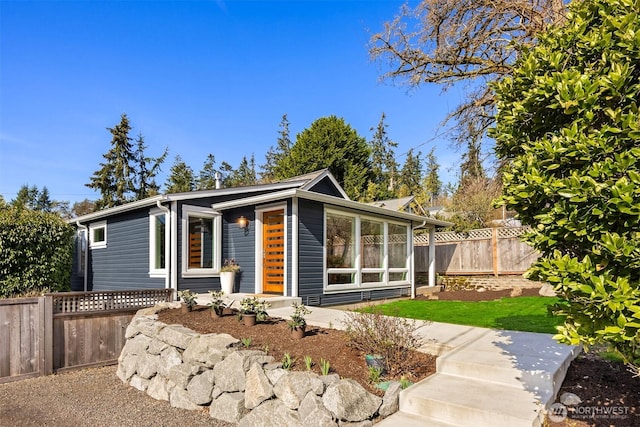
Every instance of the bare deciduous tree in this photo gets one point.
(471, 41)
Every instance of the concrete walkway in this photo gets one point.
(484, 377)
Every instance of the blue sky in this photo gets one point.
(198, 77)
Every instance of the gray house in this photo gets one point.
(301, 237)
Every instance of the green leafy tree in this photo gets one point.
(83, 207)
(568, 130)
(276, 154)
(114, 178)
(181, 178)
(36, 251)
(330, 143)
(384, 168)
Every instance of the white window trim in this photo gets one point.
(202, 212)
(92, 228)
(358, 270)
(153, 271)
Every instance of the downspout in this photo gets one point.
(167, 244)
(413, 260)
(86, 253)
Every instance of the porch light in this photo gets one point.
(243, 223)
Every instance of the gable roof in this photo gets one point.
(394, 204)
(305, 182)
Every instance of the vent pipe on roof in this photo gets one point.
(217, 176)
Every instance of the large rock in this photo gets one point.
(156, 346)
(257, 387)
(182, 374)
(228, 407)
(349, 401)
(179, 398)
(158, 388)
(272, 413)
(391, 399)
(148, 365)
(274, 375)
(169, 357)
(312, 412)
(292, 388)
(547, 291)
(135, 346)
(230, 373)
(177, 336)
(139, 383)
(127, 366)
(200, 387)
(146, 325)
(207, 350)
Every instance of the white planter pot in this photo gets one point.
(227, 279)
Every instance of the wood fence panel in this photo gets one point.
(477, 252)
(21, 327)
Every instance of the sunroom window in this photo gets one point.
(364, 251)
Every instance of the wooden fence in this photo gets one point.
(70, 330)
(487, 251)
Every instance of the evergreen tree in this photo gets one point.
(27, 197)
(410, 183)
(432, 184)
(275, 155)
(114, 179)
(207, 175)
(146, 170)
(181, 178)
(384, 168)
(243, 176)
(471, 167)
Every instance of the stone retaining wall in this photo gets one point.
(195, 371)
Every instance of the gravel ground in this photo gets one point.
(91, 397)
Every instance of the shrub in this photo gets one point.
(392, 337)
(36, 250)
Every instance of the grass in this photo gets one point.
(515, 314)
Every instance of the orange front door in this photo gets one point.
(273, 246)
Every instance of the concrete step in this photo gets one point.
(529, 361)
(403, 419)
(468, 402)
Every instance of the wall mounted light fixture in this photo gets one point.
(243, 223)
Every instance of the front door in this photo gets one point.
(273, 248)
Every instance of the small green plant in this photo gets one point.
(252, 305)
(246, 342)
(308, 362)
(297, 318)
(404, 382)
(325, 366)
(217, 303)
(188, 297)
(266, 349)
(374, 374)
(288, 361)
(330, 324)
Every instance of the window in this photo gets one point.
(365, 252)
(98, 235)
(200, 241)
(81, 248)
(157, 242)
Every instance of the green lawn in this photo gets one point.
(515, 314)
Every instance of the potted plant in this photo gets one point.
(217, 304)
(298, 324)
(228, 275)
(189, 300)
(253, 310)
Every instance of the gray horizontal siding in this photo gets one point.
(355, 296)
(124, 263)
(310, 249)
(241, 246)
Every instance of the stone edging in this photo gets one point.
(195, 372)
